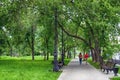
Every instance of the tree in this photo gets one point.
(55, 68)
(92, 18)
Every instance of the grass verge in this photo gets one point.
(27, 70)
(115, 78)
(96, 65)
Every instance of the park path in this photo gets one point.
(75, 71)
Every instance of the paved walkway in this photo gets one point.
(75, 71)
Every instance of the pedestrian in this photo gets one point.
(86, 57)
(80, 58)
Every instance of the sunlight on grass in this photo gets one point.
(27, 70)
(22, 58)
(20, 69)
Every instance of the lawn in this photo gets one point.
(17, 69)
(115, 78)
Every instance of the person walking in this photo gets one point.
(86, 57)
(80, 58)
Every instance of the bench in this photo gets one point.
(116, 61)
(107, 66)
(60, 64)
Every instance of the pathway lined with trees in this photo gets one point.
(59, 28)
(75, 71)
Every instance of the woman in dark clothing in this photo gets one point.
(80, 58)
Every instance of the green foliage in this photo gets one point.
(95, 21)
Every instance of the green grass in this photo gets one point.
(115, 78)
(119, 70)
(17, 69)
(23, 58)
(96, 65)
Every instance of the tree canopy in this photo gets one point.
(87, 25)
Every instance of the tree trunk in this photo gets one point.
(44, 52)
(10, 47)
(97, 49)
(74, 53)
(68, 54)
(62, 55)
(11, 51)
(55, 68)
(93, 55)
(47, 50)
(32, 41)
(64, 51)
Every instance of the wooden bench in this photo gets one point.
(107, 66)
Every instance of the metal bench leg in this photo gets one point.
(103, 70)
(107, 71)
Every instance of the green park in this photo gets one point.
(43, 39)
